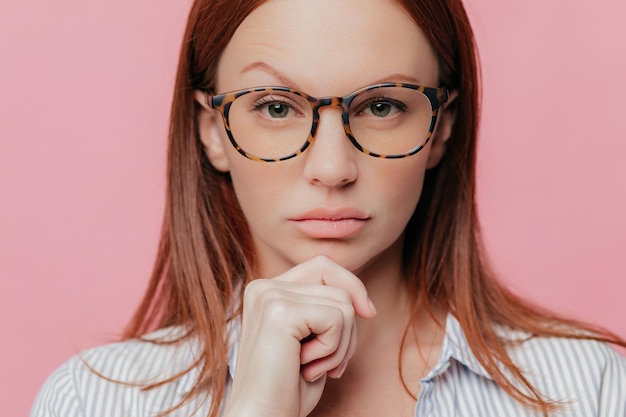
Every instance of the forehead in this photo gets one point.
(326, 47)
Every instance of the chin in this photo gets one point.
(358, 261)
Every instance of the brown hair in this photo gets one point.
(206, 257)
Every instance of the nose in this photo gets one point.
(330, 161)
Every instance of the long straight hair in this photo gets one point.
(206, 256)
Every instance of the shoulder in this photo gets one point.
(587, 373)
(157, 356)
(590, 357)
(108, 380)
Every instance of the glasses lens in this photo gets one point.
(390, 120)
(270, 124)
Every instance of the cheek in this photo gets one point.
(259, 186)
(401, 186)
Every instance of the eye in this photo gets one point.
(274, 108)
(382, 107)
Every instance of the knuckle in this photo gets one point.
(339, 318)
(334, 332)
(323, 261)
(328, 348)
(271, 294)
(343, 295)
(349, 313)
(340, 295)
(253, 289)
(276, 308)
(259, 292)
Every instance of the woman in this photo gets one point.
(320, 252)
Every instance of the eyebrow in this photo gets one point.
(288, 82)
(398, 77)
(258, 65)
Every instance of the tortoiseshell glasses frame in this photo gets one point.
(223, 102)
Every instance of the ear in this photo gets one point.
(209, 124)
(443, 130)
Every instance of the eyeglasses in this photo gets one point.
(270, 124)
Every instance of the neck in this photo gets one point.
(395, 349)
(386, 286)
(385, 281)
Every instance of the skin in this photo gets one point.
(318, 285)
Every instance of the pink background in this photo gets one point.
(84, 96)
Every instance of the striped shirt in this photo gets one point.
(587, 376)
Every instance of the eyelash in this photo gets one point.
(264, 101)
(387, 100)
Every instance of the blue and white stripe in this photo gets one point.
(589, 377)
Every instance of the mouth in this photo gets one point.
(323, 223)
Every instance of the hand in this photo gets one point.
(297, 329)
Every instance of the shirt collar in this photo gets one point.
(455, 347)
(194, 351)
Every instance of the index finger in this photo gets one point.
(322, 270)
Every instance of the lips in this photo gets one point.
(321, 223)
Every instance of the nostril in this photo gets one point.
(331, 159)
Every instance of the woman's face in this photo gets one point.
(331, 200)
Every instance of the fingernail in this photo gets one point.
(372, 307)
(318, 377)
